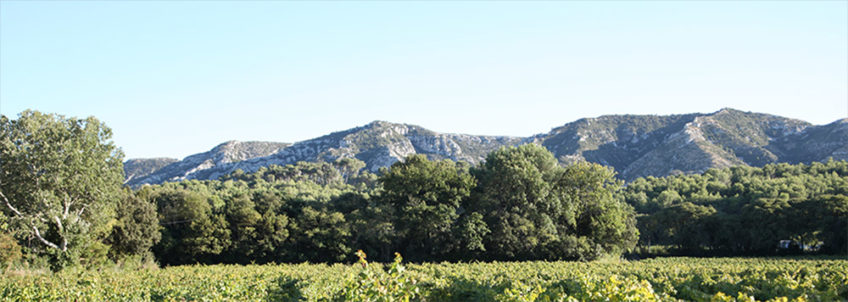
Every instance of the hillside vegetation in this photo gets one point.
(744, 210)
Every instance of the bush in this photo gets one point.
(378, 285)
(10, 251)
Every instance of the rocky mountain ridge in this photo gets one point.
(223, 154)
(635, 145)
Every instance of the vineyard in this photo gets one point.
(660, 279)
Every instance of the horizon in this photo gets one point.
(174, 79)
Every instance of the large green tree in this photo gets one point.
(514, 194)
(60, 179)
(592, 220)
(426, 197)
(537, 209)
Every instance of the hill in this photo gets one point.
(173, 170)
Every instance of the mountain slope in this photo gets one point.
(643, 145)
(228, 152)
(141, 167)
(816, 143)
(378, 144)
(635, 145)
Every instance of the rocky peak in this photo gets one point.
(378, 123)
(728, 110)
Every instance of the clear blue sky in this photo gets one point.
(176, 78)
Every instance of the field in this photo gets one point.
(660, 279)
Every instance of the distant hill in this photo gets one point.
(635, 145)
(173, 170)
(647, 145)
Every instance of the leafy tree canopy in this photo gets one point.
(60, 178)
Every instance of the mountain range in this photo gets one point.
(634, 145)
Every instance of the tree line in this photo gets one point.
(64, 204)
(519, 205)
(746, 210)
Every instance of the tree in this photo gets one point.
(348, 167)
(426, 198)
(591, 211)
(60, 179)
(469, 233)
(192, 233)
(372, 228)
(320, 235)
(687, 225)
(272, 232)
(831, 219)
(536, 209)
(137, 227)
(244, 223)
(514, 193)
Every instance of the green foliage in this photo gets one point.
(321, 235)
(10, 251)
(136, 229)
(537, 209)
(612, 288)
(515, 194)
(592, 209)
(525, 206)
(245, 226)
(59, 182)
(380, 286)
(662, 279)
(469, 234)
(192, 231)
(746, 210)
(341, 173)
(302, 212)
(426, 198)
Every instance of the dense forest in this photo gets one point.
(64, 204)
(745, 210)
(519, 205)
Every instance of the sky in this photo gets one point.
(174, 78)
